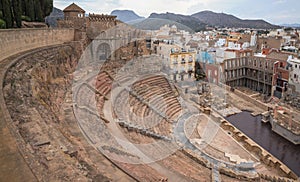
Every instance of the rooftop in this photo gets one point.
(74, 8)
(276, 54)
(294, 60)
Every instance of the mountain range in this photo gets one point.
(200, 20)
(195, 22)
(225, 20)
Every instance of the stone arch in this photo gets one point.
(103, 51)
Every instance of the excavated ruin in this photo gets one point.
(39, 97)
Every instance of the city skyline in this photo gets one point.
(276, 12)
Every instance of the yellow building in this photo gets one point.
(182, 64)
(233, 37)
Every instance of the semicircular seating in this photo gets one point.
(151, 106)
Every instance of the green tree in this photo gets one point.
(0, 5)
(47, 7)
(2, 24)
(14, 11)
(29, 9)
(7, 13)
(17, 12)
(38, 11)
(1, 10)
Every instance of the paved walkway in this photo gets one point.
(12, 164)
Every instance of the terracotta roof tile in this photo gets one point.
(275, 54)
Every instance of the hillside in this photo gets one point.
(226, 20)
(188, 21)
(126, 15)
(56, 14)
(156, 23)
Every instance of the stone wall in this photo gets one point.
(34, 89)
(14, 41)
(246, 97)
(263, 155)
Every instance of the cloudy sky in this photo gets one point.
(273, 11)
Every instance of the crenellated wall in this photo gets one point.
(14, 41)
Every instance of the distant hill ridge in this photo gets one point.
(126, 15)
(293, 25)
(196, 22)
(226, 20)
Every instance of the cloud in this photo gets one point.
(279, 2)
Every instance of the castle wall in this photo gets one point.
(14, 41)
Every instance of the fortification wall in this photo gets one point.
(14, 41)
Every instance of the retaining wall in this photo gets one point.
(14, 41)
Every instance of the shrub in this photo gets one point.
(2, 24)
(25, 18)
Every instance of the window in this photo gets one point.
(295, 65)
(182, 61)
(175, 61)
(190, 59)
(281, 64)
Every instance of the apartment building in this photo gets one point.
(254, 72)
(182, 63)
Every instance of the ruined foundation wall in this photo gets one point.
(14, 41)
(263, 155)
(246, 97)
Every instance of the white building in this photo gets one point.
(220, 43)
(294, 72)
(253, 40)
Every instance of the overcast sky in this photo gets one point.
(273, 11)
